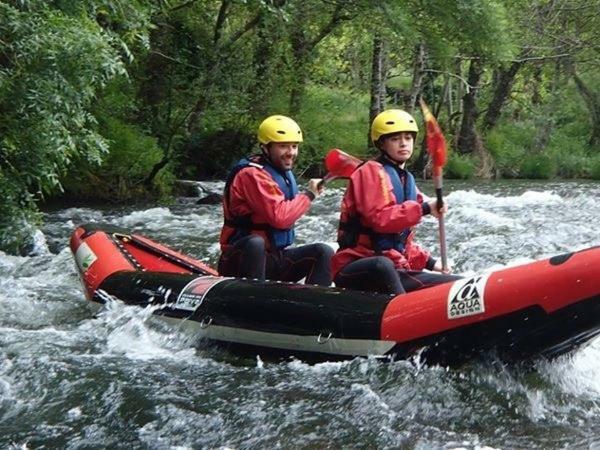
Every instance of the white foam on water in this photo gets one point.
(529, 198)
(319, 368)
(537, 405)
(577, 373)
(149, 218)
(80, 215)
(128, 331)
(481, 217)
(40, 246)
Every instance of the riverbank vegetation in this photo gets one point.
(113, 99)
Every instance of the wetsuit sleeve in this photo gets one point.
(418, 258)
(376, 203)
(265, 200)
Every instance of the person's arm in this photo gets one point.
(375, 201)
(265, 199)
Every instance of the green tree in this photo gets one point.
(53, 60)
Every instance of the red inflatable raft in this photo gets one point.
(544, 308)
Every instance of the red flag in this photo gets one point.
(436, 143)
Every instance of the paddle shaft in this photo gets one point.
(437, 180)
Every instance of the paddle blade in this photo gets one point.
(436, 143)
(340, 164)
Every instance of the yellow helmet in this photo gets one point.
(279, 129)
(392, 121)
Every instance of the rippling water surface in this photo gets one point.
(72, 376)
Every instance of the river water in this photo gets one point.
(74, 377)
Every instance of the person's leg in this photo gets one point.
(415, 280)
(310, 261)
(376, 273)
(245, 258)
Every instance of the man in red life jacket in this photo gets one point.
(261, 204)
(380, 207)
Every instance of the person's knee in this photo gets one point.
(383, 265)
(323, 252)
(255, 244)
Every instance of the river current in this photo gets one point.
(74, 377)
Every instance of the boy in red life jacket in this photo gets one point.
(380, 207)
(261, 204)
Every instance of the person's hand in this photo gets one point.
(434, 209)
(315, 186)
(437, 267)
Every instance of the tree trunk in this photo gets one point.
(262, 53)
(592, 101)
(456, 117)
(469, 141)
(303, 45)
(416, 89)
(377, 82)
(536, 95)
(544, 120)
(417, 77)
(300, 51)
(502, 89)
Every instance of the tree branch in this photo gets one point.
(336, 18)
(183, 5)
(251, 24)
(220, 20)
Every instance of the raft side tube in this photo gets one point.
(97, 257)
(269, 307)
(486, 296)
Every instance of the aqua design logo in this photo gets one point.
(466, 297)
(85, 257)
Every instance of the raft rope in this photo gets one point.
(118, 240)
(144, 246)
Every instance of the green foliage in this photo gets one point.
(211, 154)
(332, 118)
(538, 167)
(570, 151)
(508, 144)
(121, 175)
(17, 217)
(53, 63)
(594, 165)
(460, 166)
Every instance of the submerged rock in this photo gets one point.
(211, 199)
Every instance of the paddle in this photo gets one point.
(339, 164)
(436, 147)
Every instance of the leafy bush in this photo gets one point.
(508, 144)
(329, 119)
(460, 166)
(538, 167)
(17, 217)
(570, 151)
(571, 165)
(594, 168)
(121, 175)
(53, 64)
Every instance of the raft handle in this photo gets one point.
(322, 340)
(205, 322)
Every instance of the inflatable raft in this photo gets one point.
(544, 308)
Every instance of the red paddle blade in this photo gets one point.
(436, 143)
(340, 164)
